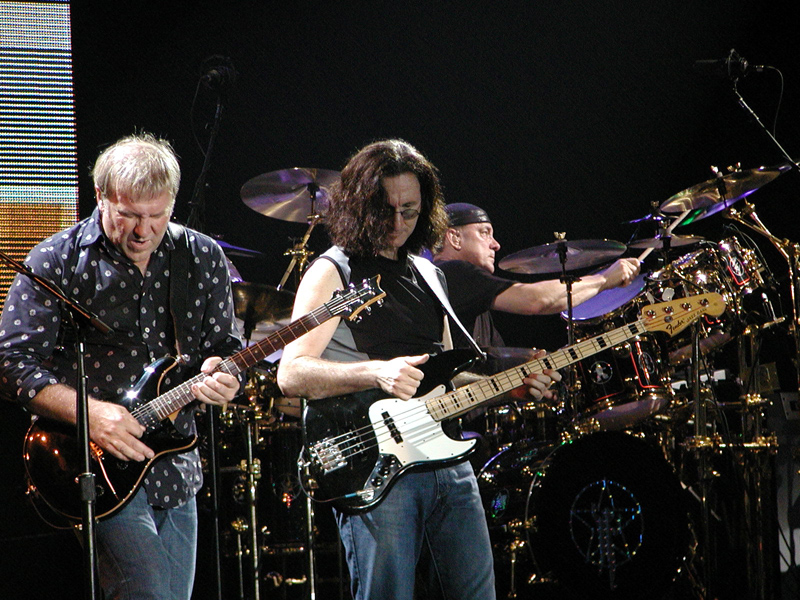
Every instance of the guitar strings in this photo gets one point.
(421, 411)
(230, 366)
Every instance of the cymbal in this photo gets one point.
(287, 194)
(659, 242)
(653, 218)
(519, 355)
(545, 258)
(717, 194)
(502, 358)
(231, 250)
(257, 302)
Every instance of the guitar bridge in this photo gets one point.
(327, 455)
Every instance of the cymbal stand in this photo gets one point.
(702, 446)
(311, 535)
(252, 470)
(666, 232)
(572, 382)
(300, 252)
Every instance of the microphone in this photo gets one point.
(733, 67)
(218, 73)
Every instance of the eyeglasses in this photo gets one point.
(406, 213)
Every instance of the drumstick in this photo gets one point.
(672, 226)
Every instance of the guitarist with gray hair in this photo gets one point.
(163, 289)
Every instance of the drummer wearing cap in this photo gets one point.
(467, 257)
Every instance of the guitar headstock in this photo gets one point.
(349, 303)
(676, 315)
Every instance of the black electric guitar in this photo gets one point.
(357, 445)
(51, 453)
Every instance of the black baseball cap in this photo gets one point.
(461, 213)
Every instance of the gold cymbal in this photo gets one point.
(717, 194)
(546, 259)
(290, 194)
(257, 302)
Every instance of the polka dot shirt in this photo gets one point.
(37, 343)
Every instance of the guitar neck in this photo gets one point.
(178, 397)
(466, 398)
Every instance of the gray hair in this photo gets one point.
(138, 167)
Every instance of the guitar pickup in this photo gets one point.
(393, 431)
(328, 456)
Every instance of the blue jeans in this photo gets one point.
(147, 553)
(441, 509)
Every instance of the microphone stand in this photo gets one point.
(753, 114)
(196, 221)
(79, 317)
(790, 251)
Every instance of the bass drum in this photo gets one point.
(607, 518)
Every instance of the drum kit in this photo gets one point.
(631, 483)
(609, 491)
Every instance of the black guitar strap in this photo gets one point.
(430, 274)
(178, 278)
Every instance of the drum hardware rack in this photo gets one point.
(247, 533)
(247, 486)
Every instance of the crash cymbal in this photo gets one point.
(257, 302)
(717, 194)
(660, 242)
(545, 258)
(287, 194)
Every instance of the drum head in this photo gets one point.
(609, 518)
(607, 301)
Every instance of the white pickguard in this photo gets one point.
(422, 437)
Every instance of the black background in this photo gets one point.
(570, 118)
(553, 116)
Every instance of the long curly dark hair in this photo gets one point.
(359, 218)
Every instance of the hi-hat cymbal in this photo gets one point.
(257, 302)
(546, 259)
(290, 194)
(717, 194)
(660, 242)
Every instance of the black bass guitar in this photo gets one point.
(357, 445)
(51, 453)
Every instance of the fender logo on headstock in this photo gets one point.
(676, 315)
